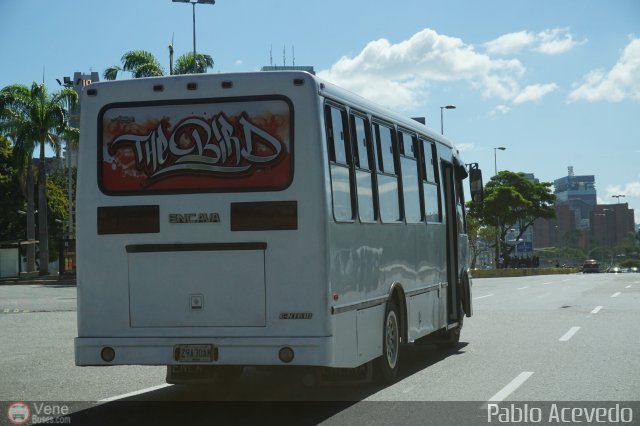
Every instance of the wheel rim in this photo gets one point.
(392, 339)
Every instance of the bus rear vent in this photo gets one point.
(264, 216)
(128, 220)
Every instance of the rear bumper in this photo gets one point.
(312, 351)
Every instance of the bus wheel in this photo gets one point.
(386, 366)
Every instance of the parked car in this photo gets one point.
(590, 265)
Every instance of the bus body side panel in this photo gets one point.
(366, 260)
(248, 293)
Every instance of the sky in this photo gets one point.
(555, 82)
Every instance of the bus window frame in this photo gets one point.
(422, 142)
(397, 172)
(331, 156)
(413, 156)
(371, 159)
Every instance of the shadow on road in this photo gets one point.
(258, 397)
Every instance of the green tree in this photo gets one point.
(141, 63)
(184, 64)
(511, 201)
(12, 226)
(35, 118)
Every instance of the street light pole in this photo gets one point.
(441, 117)
(495, 165)
(618, 197)
(495, 158)
(193, 3)
(194, 37)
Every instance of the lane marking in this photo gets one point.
(568, 279)
(547, 283)
(569, 334)
(629, 286)
(482, 297)
(512, 386)
(596, 310)
(616, 294)
(522, 288)
(141, 391)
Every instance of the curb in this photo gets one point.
(48, 279)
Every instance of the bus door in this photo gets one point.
(450, 211)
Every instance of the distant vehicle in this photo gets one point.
(590, 266)
(634, 269)
(615, 270)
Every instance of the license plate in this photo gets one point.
(195, 353)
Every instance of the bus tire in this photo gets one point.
(386, 366)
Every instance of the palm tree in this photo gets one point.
(184, 64)
(34, 117)
(141, 63)
(22, 157)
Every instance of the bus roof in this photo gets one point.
(325, 88)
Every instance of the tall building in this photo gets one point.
(580, 220)
(612, 223)
(579, 193)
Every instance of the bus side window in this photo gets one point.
(364, 161)
(460, 209)
(432, 204)
(410, 181)
(388, 194)
(340, 163)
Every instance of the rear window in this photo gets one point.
(208, 145)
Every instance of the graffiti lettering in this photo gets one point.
(199, 145)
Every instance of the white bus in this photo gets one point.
(262, 219)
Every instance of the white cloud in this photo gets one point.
(238, 62)
(549, 42)
(398, 75)
(555, 41)
(510, 43)
(620, 83)
(631, 189)
(465, 147)
(500, 109)
(534, 93)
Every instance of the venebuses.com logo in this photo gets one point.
(18, 413)
(22, 413)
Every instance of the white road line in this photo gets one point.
(629, 286)
(568, 279)
(547, 283)
(482, 297)
(616, 294)
(515, 384)
(522, 288)
(141, 391)
(569, 334)
(596, 309)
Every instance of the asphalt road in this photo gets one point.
(570, 338)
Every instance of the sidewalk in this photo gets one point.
(43, 280)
